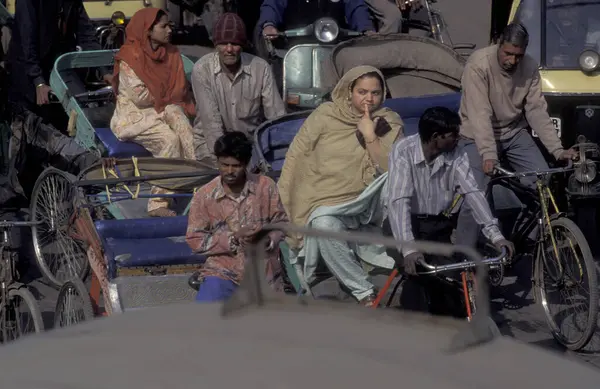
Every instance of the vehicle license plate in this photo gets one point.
(557, 126)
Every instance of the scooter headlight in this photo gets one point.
(326, 30)
(589, 60)
(586, 172)
(118, 18)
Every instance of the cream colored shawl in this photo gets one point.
(325, 164)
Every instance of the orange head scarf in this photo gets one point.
(161, 70)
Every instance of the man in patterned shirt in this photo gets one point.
(226, 214)
(426, 172)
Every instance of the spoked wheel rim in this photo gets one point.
(73, 305)
(18, 318)
(568, 287)
(59, 256)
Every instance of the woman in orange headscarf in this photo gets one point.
(153, 95)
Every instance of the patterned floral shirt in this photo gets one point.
(214, 216)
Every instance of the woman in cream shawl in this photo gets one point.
(336, 154)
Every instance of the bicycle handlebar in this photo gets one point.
(8, 224)
(432, 269)
(97, 93)
(507, 173)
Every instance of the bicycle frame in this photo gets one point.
(542, 199)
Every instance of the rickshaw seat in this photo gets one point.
(274, 140)
(410, 109)
(146, 242)
(118, 149)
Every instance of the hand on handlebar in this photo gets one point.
(108, 78)
(508, 245)
(411, 261)
(569, 155)
(270, 32)
(489, 166)
(42, 94)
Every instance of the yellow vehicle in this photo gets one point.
(564, 37)
(103, 10)
(109, 16)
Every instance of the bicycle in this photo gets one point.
(435, 25)
(551, 232)
(12, 291)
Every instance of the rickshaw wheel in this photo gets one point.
(73, 305)
(59, 256)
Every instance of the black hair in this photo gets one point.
(159, 15)
(516, 34)
(234, 144)
(439, 120)
(369, 75)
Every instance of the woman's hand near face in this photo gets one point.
(366, 125)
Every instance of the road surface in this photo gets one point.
(512, 304)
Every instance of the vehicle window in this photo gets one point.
(571, 27)
(529, 15)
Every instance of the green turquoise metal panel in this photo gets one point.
(85, 134)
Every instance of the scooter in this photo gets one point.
(302, 67)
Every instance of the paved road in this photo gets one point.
(512, 305)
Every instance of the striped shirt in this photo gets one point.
(418, 187)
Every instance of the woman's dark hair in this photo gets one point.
(159, 15)
(516, 34)
(236, 145)
(440, 120)
(369, 75)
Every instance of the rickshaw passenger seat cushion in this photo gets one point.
(146, 242)
(119, 149)
(275, 141)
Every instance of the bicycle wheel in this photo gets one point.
(574, 291)
(21, 315)
(58, 255)
(73, 304)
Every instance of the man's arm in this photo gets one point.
(536, 113)
(202, 235)
(400, 192)
(271, 100)
(26, 16)
(474, 198)
(271, 13)
(276, 211)
(209, 121)
(475, 105)
(357, 15)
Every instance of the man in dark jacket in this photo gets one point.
(296, 13)
(43, 30)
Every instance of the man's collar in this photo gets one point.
(244, 68)
(419, 156)
(249, 187)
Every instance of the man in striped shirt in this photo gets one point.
(426, 172)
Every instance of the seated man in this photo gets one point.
(501, 99)
(426, 172)
(298, 13)
(234, 91)
(226, 214)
